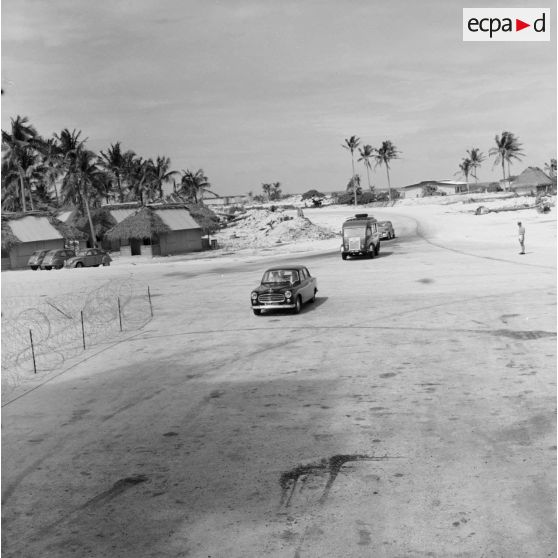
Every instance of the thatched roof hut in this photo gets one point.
(145, 223)
(9, 239)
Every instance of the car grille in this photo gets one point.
(354, 243)
(271, 297)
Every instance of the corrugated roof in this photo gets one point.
(177, 219)
(33, 229)
(121, 214)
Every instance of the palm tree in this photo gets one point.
(194, 184)
(81, 181)
(114, 162)
(17, 146)
(366, 153)
(52, 164)
(465, 168)
(162, 174)
(507, 148)
(384, 155)
(476, 158)
(550, 168)
(351, 144)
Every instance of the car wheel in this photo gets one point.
(59, 267)
(34, 267)
(257, 311)
(79, 264)
(298, 305)
(313, 299)
(377, 250)
(371, 252)
(344, 256)
(106, 263)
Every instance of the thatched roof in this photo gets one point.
(532, 176)
(10, 239)
(142, 224)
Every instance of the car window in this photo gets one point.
(307, 273)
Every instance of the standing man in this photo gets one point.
(521, 232)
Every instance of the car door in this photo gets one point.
(305, 284)
(89, 258)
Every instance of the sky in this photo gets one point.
(258, 91)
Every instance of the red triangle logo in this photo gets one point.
(519, 25)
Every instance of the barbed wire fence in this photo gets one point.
(40, 334)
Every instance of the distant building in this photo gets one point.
(154, 230)
(23, 234)
(227, 200)
(432, 188)
(532, 181)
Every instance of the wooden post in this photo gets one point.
(33, 352)
(119, 314)
(82, 331)
(150, 305)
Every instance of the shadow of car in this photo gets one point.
(56, 258)
(92, 257)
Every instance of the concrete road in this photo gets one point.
(409, 412)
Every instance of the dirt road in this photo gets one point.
(409, 412)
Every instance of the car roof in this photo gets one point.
(287, 266)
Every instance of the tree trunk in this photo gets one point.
(353, 177)
(91, 229)
(22, 184)
(389, 183)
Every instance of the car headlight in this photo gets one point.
(254, 296)
(288, 294)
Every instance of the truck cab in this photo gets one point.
(361, 236)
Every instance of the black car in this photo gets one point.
(284, 287)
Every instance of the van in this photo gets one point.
(360, 236)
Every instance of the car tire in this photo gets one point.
(344, 256)
(34, 267)
(377, 249)
(105, 264)
(313, 299)
(298, 305)
(257, 311)
(79, 264)
(371, 252)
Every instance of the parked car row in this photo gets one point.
(57, 259)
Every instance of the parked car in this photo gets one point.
(56, 258)
(284, 287)
(36, 259)
(360, 236)
(386, 230)
(92, 257)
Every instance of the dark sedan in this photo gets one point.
(284, 287)
(386, 230)
(92, 257)
(55, 259)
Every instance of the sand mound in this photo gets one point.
(261, 228)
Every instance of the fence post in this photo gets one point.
(150, 305)
(33, 352)
(82, 331)
(119, 314)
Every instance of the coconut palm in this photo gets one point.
(366, 153)
(550, 168)
(276, 190)
(351, 144)
(193, 184)
(266, 187)
(17, 146)
(507, 148)
(114, 162)
(81, 182)
(161, 174)
(386, 153)
(52, 165)
(476, 158)
(465, 169)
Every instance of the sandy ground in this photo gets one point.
(409, 412)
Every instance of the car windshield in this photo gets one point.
(278, 276)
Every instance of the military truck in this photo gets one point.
(360, 236)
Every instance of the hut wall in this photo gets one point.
(181, 242)
(20, 254)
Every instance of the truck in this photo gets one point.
(361, 236)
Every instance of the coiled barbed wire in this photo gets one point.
(56, 326)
